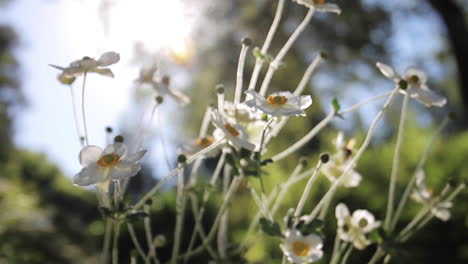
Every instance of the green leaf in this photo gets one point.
(377, 235)
(258, 54)
(336, 105)
(270, 228)
(314, 226)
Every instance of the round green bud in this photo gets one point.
(109, 129)
(324, 157)
(159, 99)
(247, 41)
(403, 84)
(181, 158)
(324, 55)
(149, 201)
(220, 89)
(119, 139)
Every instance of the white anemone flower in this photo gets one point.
(161, 85)
(339, 161)
(88, 64)
(353, 228)
(302, 249)
(199, 144)
(234, 134)
(425, 196)
(416, 81)
(280, 103)
(103, 166)
(249, 118)
(320, 6)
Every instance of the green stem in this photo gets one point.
(396, 159)
(115, 243)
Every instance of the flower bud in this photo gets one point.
(247, 41)
(324, 157)
(181, 158)
(159, 99)
(149, 202)
(119, 139)
(402, 84)
(324, 55)
(220, 89)
(109, 129)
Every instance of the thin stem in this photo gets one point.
(75, 116)
(370, 100)
(347, 254)
(356, 158)
(271, 32)
(307, 189)
(240, 74)
(379, 253)
(180, 209)
(336, 245)
(421, 163)
(205, 123)
(162, 142)
(275, 63)
(148, 232)
(396, 160)
(173, 172)
(115, 243)
(145, 129)
(106, 243)
(83, 112)
(324, 210)
(291, 149)
(308, 73)
(137, 245)
(221, 103)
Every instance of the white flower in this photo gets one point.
(249, 118)
(88, 64)
(199, 144)
(280, 103)
(161, 85)
(235, 134)
(339, 161)
(320, 6)
(302, 249)
(425, 196)
(416, 85)
(102, 167)
(353, 228)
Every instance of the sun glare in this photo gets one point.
(159, 25)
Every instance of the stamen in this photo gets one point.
(231, 130)
(204, 141)
(363, 223)
(108, 160)
(319, 2)
(300, 248)
(277, 100)
(413, 79)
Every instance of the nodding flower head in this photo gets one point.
(302, 249)
(235, 134)
(280, 103)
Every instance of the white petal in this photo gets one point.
(89, 155)
(103, 71)
(135, 157)
(119, 172)
(108, 58)
(427, 97)
(301, 102)
(363, 215)
(238, 142)
(330, 8)
(116, 148)
(179, 97)
(442, 214)
(315, 255)
(314, 241)
(341, 211)
(387, 71)
(352, 179)
(89, 175)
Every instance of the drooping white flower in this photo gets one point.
(320, 6)
(103, 166)
(235, 134)
(161, 85)
(353, 228)
(302, 249)
(88, 64)
(199, 144)
(339, 161)
(280, 103)
(425, 196)
(415, 80)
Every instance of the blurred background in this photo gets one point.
(45, 219)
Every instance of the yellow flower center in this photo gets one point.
(300, 248)
(363, 223)
(430, 191)
(277, 100)
(319, 2)
(231, 130)
(204, 142)
(108, 160)
(87, 58)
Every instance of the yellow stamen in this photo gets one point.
(277, 100)
(231, 130)
(319, 2)
(430, 191)
(300, 248)
(413, 79)
(204, 142)
(108, 160)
